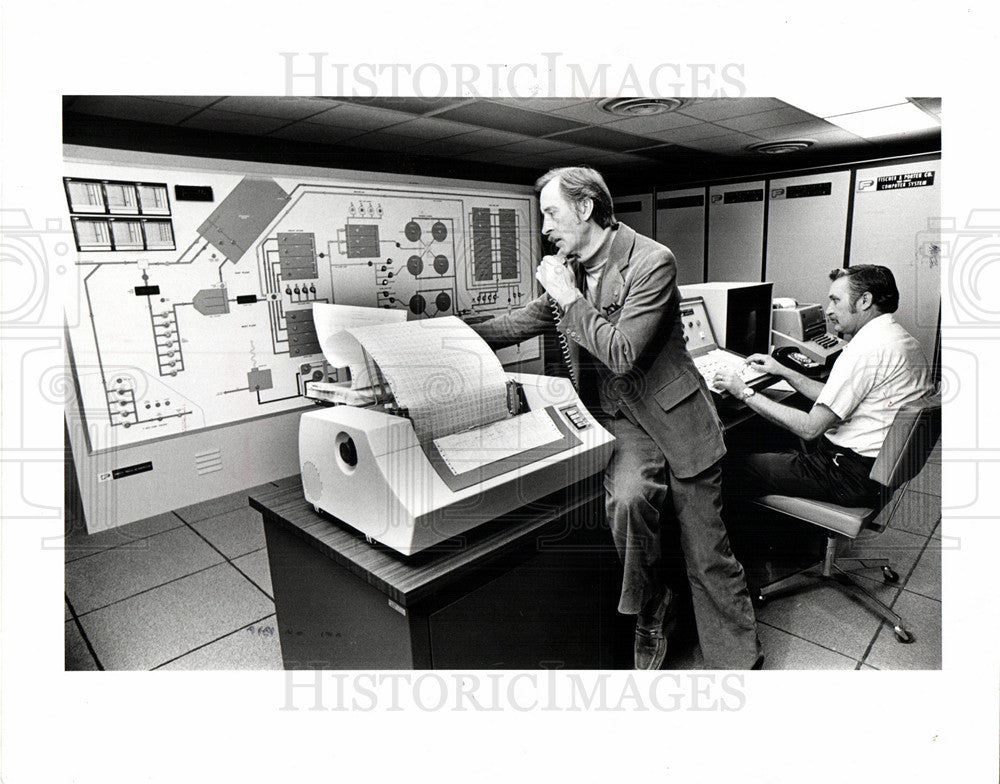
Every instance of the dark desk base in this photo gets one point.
(544, 600)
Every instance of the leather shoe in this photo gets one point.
(651, 632)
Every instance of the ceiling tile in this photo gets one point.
(664, 152)
(539, 104)
(652, 122)
(837, 138)
(509, 118)
(200, 101)
(364, 118)
(605, 139)
(135, 108)
(431, 128)
(536, 146)
(487, 137)
(689, 132)
(233, 122)
(411, 104)
(932, 105)
(287, 107)
(494, 155)
(733, 144)
(805, 130)
(713, 109)
(547, 160)
(588, 113)
(620, 158)
(381, 140)
(751, 122)
(316, 133)
(445, 147)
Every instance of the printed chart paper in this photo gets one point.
(440, 371)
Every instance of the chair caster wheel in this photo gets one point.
(902, 635)
(889, 575)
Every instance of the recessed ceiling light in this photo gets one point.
(639, 107)
(902, 118)
(781, 147)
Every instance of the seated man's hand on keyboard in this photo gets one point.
(765, 364)
(729, 379)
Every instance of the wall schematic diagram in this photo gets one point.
(215, 326)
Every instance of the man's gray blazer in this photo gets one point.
(634, 333)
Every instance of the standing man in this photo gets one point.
(613, 295)
(882, 369)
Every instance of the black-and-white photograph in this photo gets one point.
(296, 408)
(437, 392)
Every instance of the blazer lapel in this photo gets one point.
(621, 248)
(614, 274)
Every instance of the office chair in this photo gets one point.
(907, 445)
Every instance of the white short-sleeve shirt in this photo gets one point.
(879, 371)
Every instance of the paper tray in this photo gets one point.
(466, 479)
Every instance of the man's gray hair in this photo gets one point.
(577, 183)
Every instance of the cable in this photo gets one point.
(564, 345)
(563, 341)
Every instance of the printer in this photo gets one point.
(437, 438)
(803, 327)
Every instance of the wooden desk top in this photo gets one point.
(408, 580)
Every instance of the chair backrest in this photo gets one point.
(912, 436)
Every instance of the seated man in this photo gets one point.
(879, 371)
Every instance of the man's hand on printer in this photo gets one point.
(557, 278)
(729, 379)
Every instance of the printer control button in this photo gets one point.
(573, 415)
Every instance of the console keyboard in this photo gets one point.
(717, 359)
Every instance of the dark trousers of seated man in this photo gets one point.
(640, 487)
(818, 470)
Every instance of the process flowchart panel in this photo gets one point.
(197, 300)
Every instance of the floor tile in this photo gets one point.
(78, 658)
(110, 576)
(152, 628)
(922, 618)
(926, 576)
(78, 543)
(233, 533)
(825, 616)
(68, 613)
(218, 506)
(917, 513)
(256, 567)
(783, 651)
(903, 550)
(888, 510)
(929, 478)
(254, 647)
